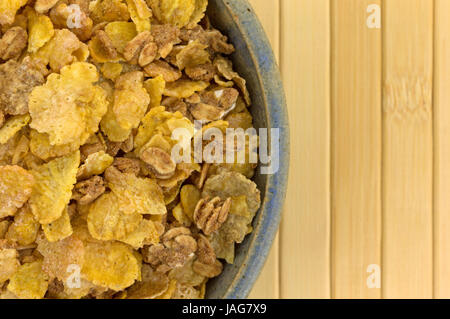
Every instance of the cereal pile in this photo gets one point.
(92, 204)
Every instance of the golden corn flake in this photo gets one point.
(29, 282)
(24, 229)
(59, 255)
(130, 100)
(158, 121)
(59, 229)
(223, 248)
(184, 88)
(107, 222)
(53, 188)
(102, 49)
(153, 284)
(180, 216)
(186, 275)
(109, 11)
(170, 290)
(111, 264)
(40, 30)
(109, 124)
(16, 185)
(231, 184)
(137, 195)
(155, 88)
(40, 146)
(189, 197)
(176, 12)
(112, 129)
(144, 234)
(140, 14)
(120, 33)
(95, 164)
(8, 10)
(199, 12)
(9, 264)
(111, 70)
(68, 107)
(239, 206)
(12, 126)
(155, 117)
(192, 55)
(63, 49)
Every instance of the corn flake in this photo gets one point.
(192, 55)
(155, 88)
(111, 70)
(109, 11)
(135, 194)
(130, 100)
(109, 124)
(29, 282)
(16, 186)
(107, 222)
(95, 164)
(68, 107)
(140, 14)
(111, 264)
(59, 255)
(120, 33)
(59, 229)
(189, 197)
(144, 234)
(63, 49)
(12, 126)
(9, 264)
(53, 188)
(24, 229)
(175, 12)
(231, 184)
(40, 146)
(199, 13)
(8, 10)
(40, 30)
(153, 284)
(184, 88)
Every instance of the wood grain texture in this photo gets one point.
(408, 149)
(267, 285)
(356, 149)
(442, 150)
(305, 228)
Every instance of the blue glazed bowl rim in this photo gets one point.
(276, 112)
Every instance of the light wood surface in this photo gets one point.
(369, 186)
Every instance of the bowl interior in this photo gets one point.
(254, 60)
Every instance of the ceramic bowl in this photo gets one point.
(255, 61)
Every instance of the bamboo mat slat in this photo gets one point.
(356, 150)
(408, 149)
(305, 229)
(442, 150)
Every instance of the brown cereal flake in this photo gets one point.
(87, 191)
(17, 80)
(169, 73)
(12, 43)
